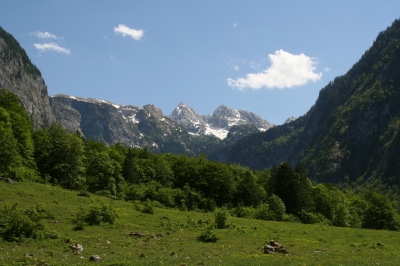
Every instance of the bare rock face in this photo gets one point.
(95, 119)
(18, 75)
(225, 117)
(189, 119)
(290, 119)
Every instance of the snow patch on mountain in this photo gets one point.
(218, 123)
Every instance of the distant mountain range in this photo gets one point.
(147, 126)
(351, 134)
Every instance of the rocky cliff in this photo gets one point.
(20, 76)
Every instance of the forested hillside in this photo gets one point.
(350, 134)
(52, 155)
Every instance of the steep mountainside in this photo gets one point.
(130, 125)
(20, 76)
(352, 130)
(218, 123)
(185, 116)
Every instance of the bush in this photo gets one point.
(208, 237)
(277, 207)
(147, 208)
(221, 216)
(96, 215)
(84, 193)
(313, 218)
(22, 173)
(263, 212)
(79, 219)
(244, 212)
(37, 212)
(18, 225)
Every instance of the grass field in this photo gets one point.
(240, 244)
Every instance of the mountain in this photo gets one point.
(20, 76)
(129, 125)
(350, 133)
(147, 126)
(185, 116)
(182, 132)
(290, 119)
(218, 123)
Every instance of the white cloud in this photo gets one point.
(287, 70)
(254, 65)
(124, 30)
(327, 69)
(46, 35)
(236, 68)
(43, 47)
(235, 24)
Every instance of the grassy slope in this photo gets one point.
(240, 245)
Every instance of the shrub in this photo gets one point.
(37, 212)
(96, 215)
(263, 212)
(147, 208)
(83, 193)
(243, 212)
(22, 173)
(221, 216)
(208, 237)
(313, 218)
(19, 225)
(277, 207)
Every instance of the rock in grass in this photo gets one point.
(95, 258)
(137, 234)
(76, 247)
(273, 247)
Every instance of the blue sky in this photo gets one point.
(266, 57)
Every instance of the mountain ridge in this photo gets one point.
(19, 76)
(351, 130)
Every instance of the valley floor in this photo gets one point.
(176, 244)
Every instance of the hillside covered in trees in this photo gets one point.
(351, 133)
(52, 155)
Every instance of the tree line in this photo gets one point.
(53, 155)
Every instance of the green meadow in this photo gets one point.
(240, 244)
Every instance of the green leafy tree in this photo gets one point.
(286, 186)
(381, 213)
(276, 207)
(332, 203)
(60, 156)
(8, 144)
(43, 147)
(104, 174)
(248, 190)
(21, 125)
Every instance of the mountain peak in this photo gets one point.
(218, 123)
(189, 119)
